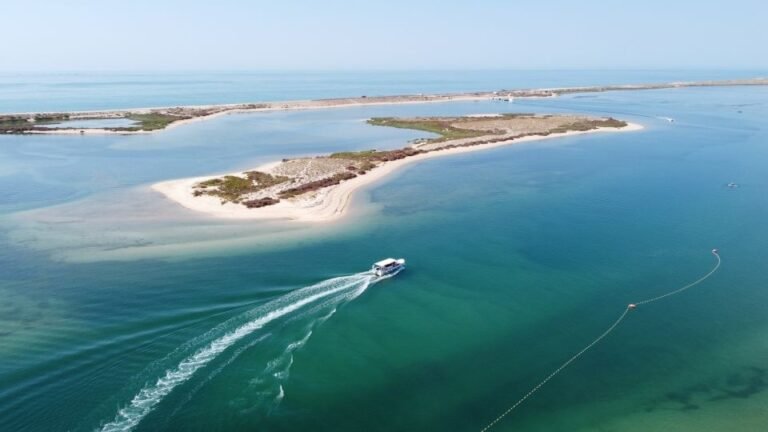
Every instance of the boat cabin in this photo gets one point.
(387, 266)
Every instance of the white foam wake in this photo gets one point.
(148, 397)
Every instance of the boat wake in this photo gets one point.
(325, 295)
(268, 385)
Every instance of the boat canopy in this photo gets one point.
(385, 262)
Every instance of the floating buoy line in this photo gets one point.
(630, 307)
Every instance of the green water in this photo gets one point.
(518, 257)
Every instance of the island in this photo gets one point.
(149, 120)
(319, 188)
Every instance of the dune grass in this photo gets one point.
(440, 126)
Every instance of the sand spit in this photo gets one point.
(331, 203)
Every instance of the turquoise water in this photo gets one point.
(120, 309)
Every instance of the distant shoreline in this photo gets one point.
(170, 117)
(333, 202)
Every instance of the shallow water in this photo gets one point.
(518, 257)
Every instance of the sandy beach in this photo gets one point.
(330, 203)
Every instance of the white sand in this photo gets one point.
(330, 203)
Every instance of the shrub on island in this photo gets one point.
(317, 184)
(261, 202)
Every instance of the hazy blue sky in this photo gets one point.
(391, 34)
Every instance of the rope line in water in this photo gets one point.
(610, 329)
(690, 285)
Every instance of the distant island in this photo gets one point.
(148, 120)
(319, 188)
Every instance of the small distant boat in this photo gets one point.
(388, 267)
(733, 185)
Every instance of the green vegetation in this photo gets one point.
(11, 124)
(264, 180)
(232, 188)
(448, 132)
(150, 121)
(366, 166)
(228, 187)
(370, 156)
(442, 127)
(587, 124)
(20, 124)
(147, 122)
(41, 119)
(359, 155)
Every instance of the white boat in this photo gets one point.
(388, 267)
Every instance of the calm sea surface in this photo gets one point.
(32, 92)
(121, 311)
